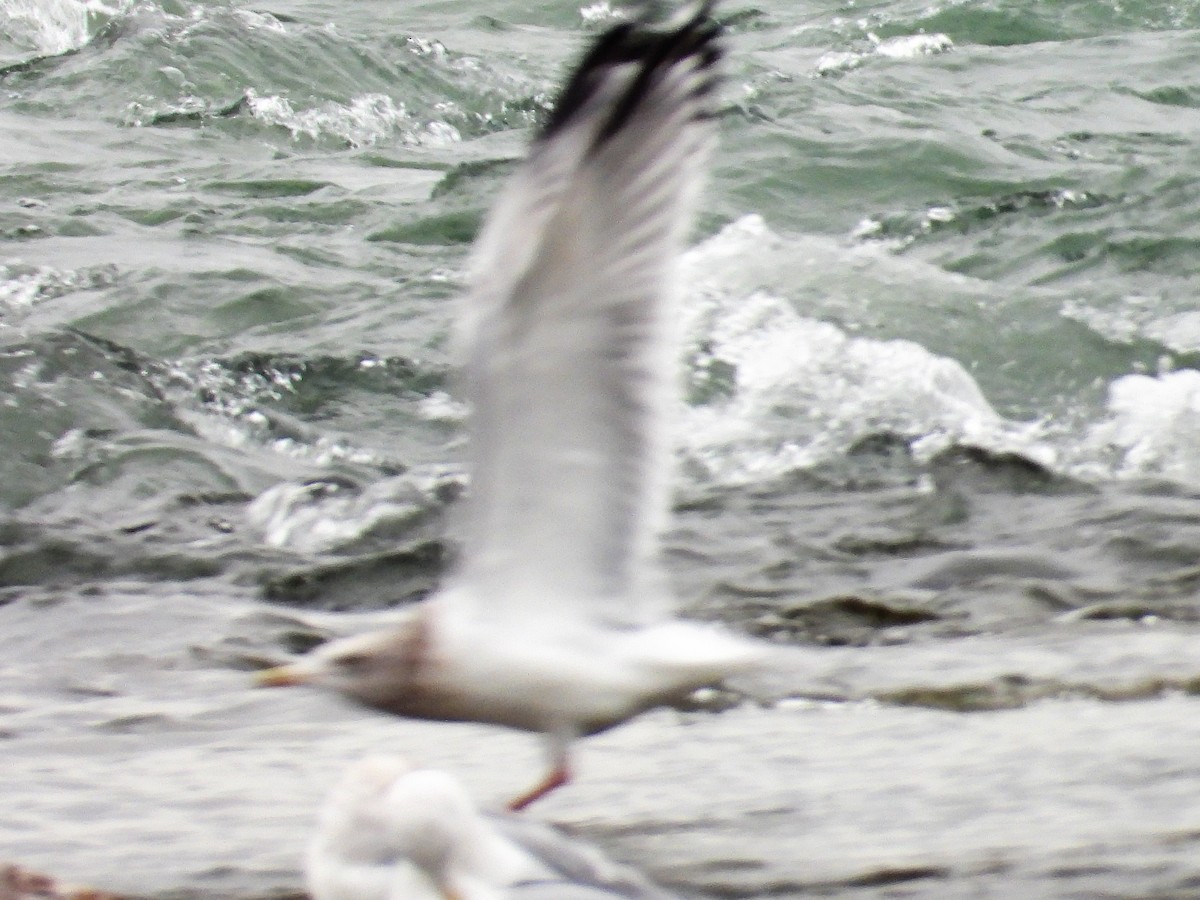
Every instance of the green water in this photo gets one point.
(942, 396)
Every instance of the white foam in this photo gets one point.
(911, 46)
(801, 391)
(1153, 425)
(366, 120)
(22, 286)
(1139, 317)
(835, 61)
(1179, 332)
(601, 11)
(263, 21)
(19, 290)
(1120, 324)
(232, 416)
(441, 407)
(901, 47)
(323, 516)
(55, 26)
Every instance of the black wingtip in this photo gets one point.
(655, 50)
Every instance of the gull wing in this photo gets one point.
(575, 870)
(573, 358)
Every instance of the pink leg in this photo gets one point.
(557, 777)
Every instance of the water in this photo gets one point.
(943, 398)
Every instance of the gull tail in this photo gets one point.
(697, 654)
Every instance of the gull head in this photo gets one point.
(377, 669)
(385, 809)
(413, 829)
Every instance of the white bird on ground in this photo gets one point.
(556, 619)
(389, 831)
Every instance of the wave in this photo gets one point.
(180, 63)
(1152, 427)
(54, 27)
(324, 515)
(365, 120)
(23, 286)
(773, 391)
(779, 381)
(900, 47)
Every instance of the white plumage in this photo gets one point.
(390, 831)
(557, 620)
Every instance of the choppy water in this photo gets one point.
(943, 368)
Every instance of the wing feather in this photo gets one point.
(573, 360)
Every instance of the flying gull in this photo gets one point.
(556, 620)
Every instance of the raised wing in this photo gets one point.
(573, 367)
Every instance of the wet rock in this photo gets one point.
(18, 883)
(843, 620)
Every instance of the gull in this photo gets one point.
(390, 831)
(556, 618)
